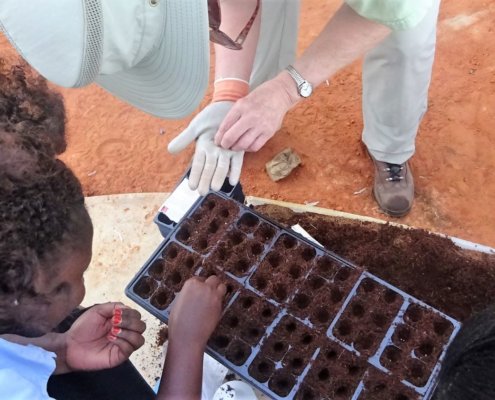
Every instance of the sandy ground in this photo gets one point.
(116, 149)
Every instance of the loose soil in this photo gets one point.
(114, 148)
(162, 336)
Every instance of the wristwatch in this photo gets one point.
(304, 88)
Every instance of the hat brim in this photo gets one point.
(172, 80)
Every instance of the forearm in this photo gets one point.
(53, 342)
(346, 37)
(237, 63)
(182, 373)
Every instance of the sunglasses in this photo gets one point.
(219, 37)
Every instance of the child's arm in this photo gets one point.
(193, 318)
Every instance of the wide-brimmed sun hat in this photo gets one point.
(153, 54)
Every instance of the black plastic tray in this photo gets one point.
(244, 279)
(165, 225)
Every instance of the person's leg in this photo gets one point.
(277, 42)
(396, 78)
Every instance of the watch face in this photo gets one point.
(305, 89)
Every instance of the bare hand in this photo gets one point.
(196, 311)
(211, 164)
(103, 337)
(254, 119)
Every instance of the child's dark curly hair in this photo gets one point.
(41, 201)
(27, 104)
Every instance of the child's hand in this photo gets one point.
(196, 311)
(103, 337)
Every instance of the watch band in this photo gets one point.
(295, 75)
(304, 88)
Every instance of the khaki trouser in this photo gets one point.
(278, 39)
(396, 76)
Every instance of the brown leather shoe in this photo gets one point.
(394, 187)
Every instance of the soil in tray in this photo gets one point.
(162, 297)
(169, 272)
(178, 266)
(334, 374)
(242, 326)
(237, 253)
(292, 344)
(319, 300)
(368, 316)
(283, 356)
(283, 268)
(145, 287)
(174, 267)
(262, 368)
(207, 224)
(248, 317)
(423, 334)
(380, 386)
(427, 266)
(253, 226)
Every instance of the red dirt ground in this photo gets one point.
(114, 148)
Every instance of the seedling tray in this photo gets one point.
(165, 224)
(299, 321)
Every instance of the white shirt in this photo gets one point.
(24, 371)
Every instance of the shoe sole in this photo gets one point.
(395, 214)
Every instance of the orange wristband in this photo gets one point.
(230, 90)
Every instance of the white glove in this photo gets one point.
(211, 164)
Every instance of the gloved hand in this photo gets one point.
(211, 164)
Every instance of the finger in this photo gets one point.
(181, 141)
(258, 143)
(107, 310)
(235, 168)
(222, 290)
(126, 313)
(196, 169)
(230, 119)
(221, 171)
(135, 339)
(130, 313)
(213, 281)
(237, 130)
(246, 140)
(191, 282)
(127, 341)
(129, 323)
(207, 175)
